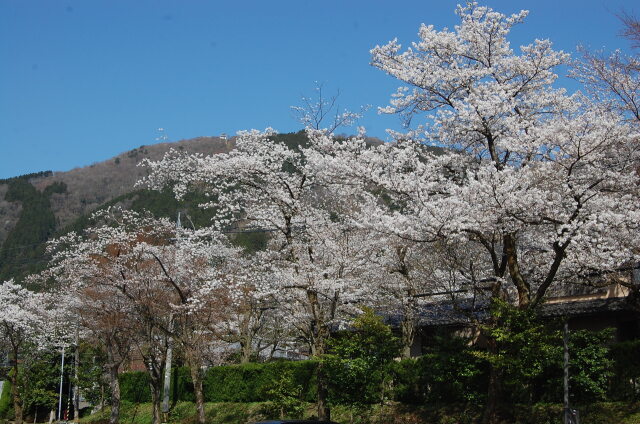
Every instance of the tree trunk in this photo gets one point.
(114, 384)
(324, 412)
(155, 400)
(15, 389)
(408, 327)
(196, 378)
(246, 347)
(491, 415)
(319, 333)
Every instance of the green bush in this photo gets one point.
(182, 385)
(447, 373)
(625, 384)
(230, 383)
(285, 397)
(251, 382)
(134, 387)
(590, 365)
(357, 366)
(6, 409)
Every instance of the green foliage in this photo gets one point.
(134, 387)
(22, 252)
(359, 360)
(241, 413)
(39, 380)
(530, 357)
(41, 174)
(525, 348)
(292, 140)
(626, 365)
(590, 365)
(57, 187)
(182, 385)
(90, 373)
(163, 204)
(251, 382)
(251, 242)
(286, 396)
(449, 372)
(6, 407)
(230, 383)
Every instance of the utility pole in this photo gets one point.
(61, 378)
(76, 389)
(167, 375)
(169, 358)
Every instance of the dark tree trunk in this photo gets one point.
(113, 365)
(114, 385)
(156, 398)
(324, 412)
(408, 335)
(494, 393)
(196, 378)
(15, 388)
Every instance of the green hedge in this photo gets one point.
(134, 387)
(230, 383)
(250, 382)
(448, 373)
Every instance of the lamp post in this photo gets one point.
(61, 380)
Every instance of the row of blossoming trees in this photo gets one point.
(533, 188)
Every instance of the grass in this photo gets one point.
(242, 413)
(184, 413)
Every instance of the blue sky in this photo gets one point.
(81, 81)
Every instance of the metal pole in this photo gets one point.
(167, 380)
(76, 389)
(61, 378)
(566, 411)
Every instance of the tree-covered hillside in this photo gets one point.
(42, 205)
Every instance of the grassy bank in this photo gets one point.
(242, 413)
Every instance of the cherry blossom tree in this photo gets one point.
(542, 182)
(141, 281)
(614, 79)
(322, 112)
(29, 322)
(313, 257)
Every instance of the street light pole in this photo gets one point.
(61, 379)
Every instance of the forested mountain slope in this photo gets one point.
(36, 207)
(39, 206)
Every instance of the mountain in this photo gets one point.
(38, 206)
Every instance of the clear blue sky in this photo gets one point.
(81, 81)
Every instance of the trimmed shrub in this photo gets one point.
(230, 383)
(448, 372)
(251, 382)
(134, 387)
(181, 385)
